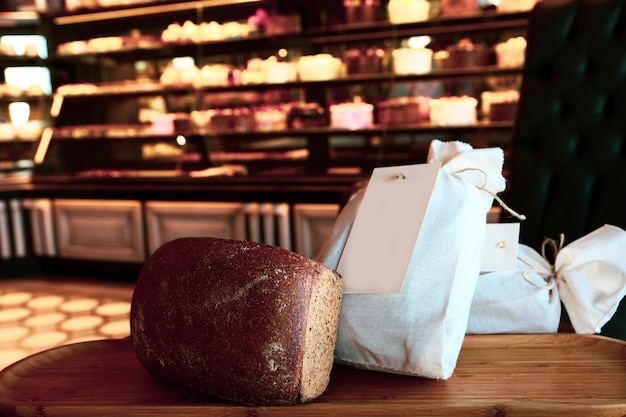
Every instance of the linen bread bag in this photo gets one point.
(419, 330)
(586, 276)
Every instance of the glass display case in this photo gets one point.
(278, 88)
(25, 88)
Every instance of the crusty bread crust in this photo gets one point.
(248, 322)
(321, 334)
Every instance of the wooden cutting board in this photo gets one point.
(497, 375)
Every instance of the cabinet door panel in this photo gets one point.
(108, 230)
(313, 224)
(170, 220)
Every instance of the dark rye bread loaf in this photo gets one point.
(247, 322)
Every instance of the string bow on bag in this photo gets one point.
(479, 167)
(588, 276)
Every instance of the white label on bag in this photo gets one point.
(378, 250)
(500, 250)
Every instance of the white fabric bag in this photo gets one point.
(419, 331)
(588, 277)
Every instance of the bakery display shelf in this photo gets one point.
(119, 88)
(145, 132)
(19, 19)
(20, 60)
(131, 88)
(450, 74)
(487, 22)
(322, 132)
(17, 142)
(156, 88)
(481, 22)
(160, 7)
(127, 44)
(29, 98)
(318, 147)
(154, 49)
(22, 164)
(134, 50)
(15, 158)
(133, 131)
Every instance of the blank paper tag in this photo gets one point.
(500, 250)
(378, 250)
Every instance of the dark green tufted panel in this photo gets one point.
(567, 158)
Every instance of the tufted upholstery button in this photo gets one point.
(610, 63)
(570, 67)
(567, 159)
(587, 104)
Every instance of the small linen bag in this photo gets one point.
(588, 277)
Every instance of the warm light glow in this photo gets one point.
(57, 103)
(419, 41)
(181, 140)
(27, 44)
(19, 112)
(44, 142)
(183, 62)
(282, 53)
(25, 77)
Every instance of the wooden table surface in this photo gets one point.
(496, 375)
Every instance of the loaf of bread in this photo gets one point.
(247, 322)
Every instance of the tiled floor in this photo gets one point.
(38, 314)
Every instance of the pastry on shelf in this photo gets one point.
(511, 52)
(212, 75)
(372, 60)
(408, 11)
(171, 33)
(7, 131)
(412, 60)
(7, 50)
(499, 105)
(515, 5)
(179, 75)
(465, 53)
(210, 32)
(10, 90)
(319, 67)
(105, 44)
(269, 118)
(459, 7)
(403, 110)
(306, 115)
(453, 111)
(352, 115)
(362, 11)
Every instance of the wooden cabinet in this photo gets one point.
(130, 230)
